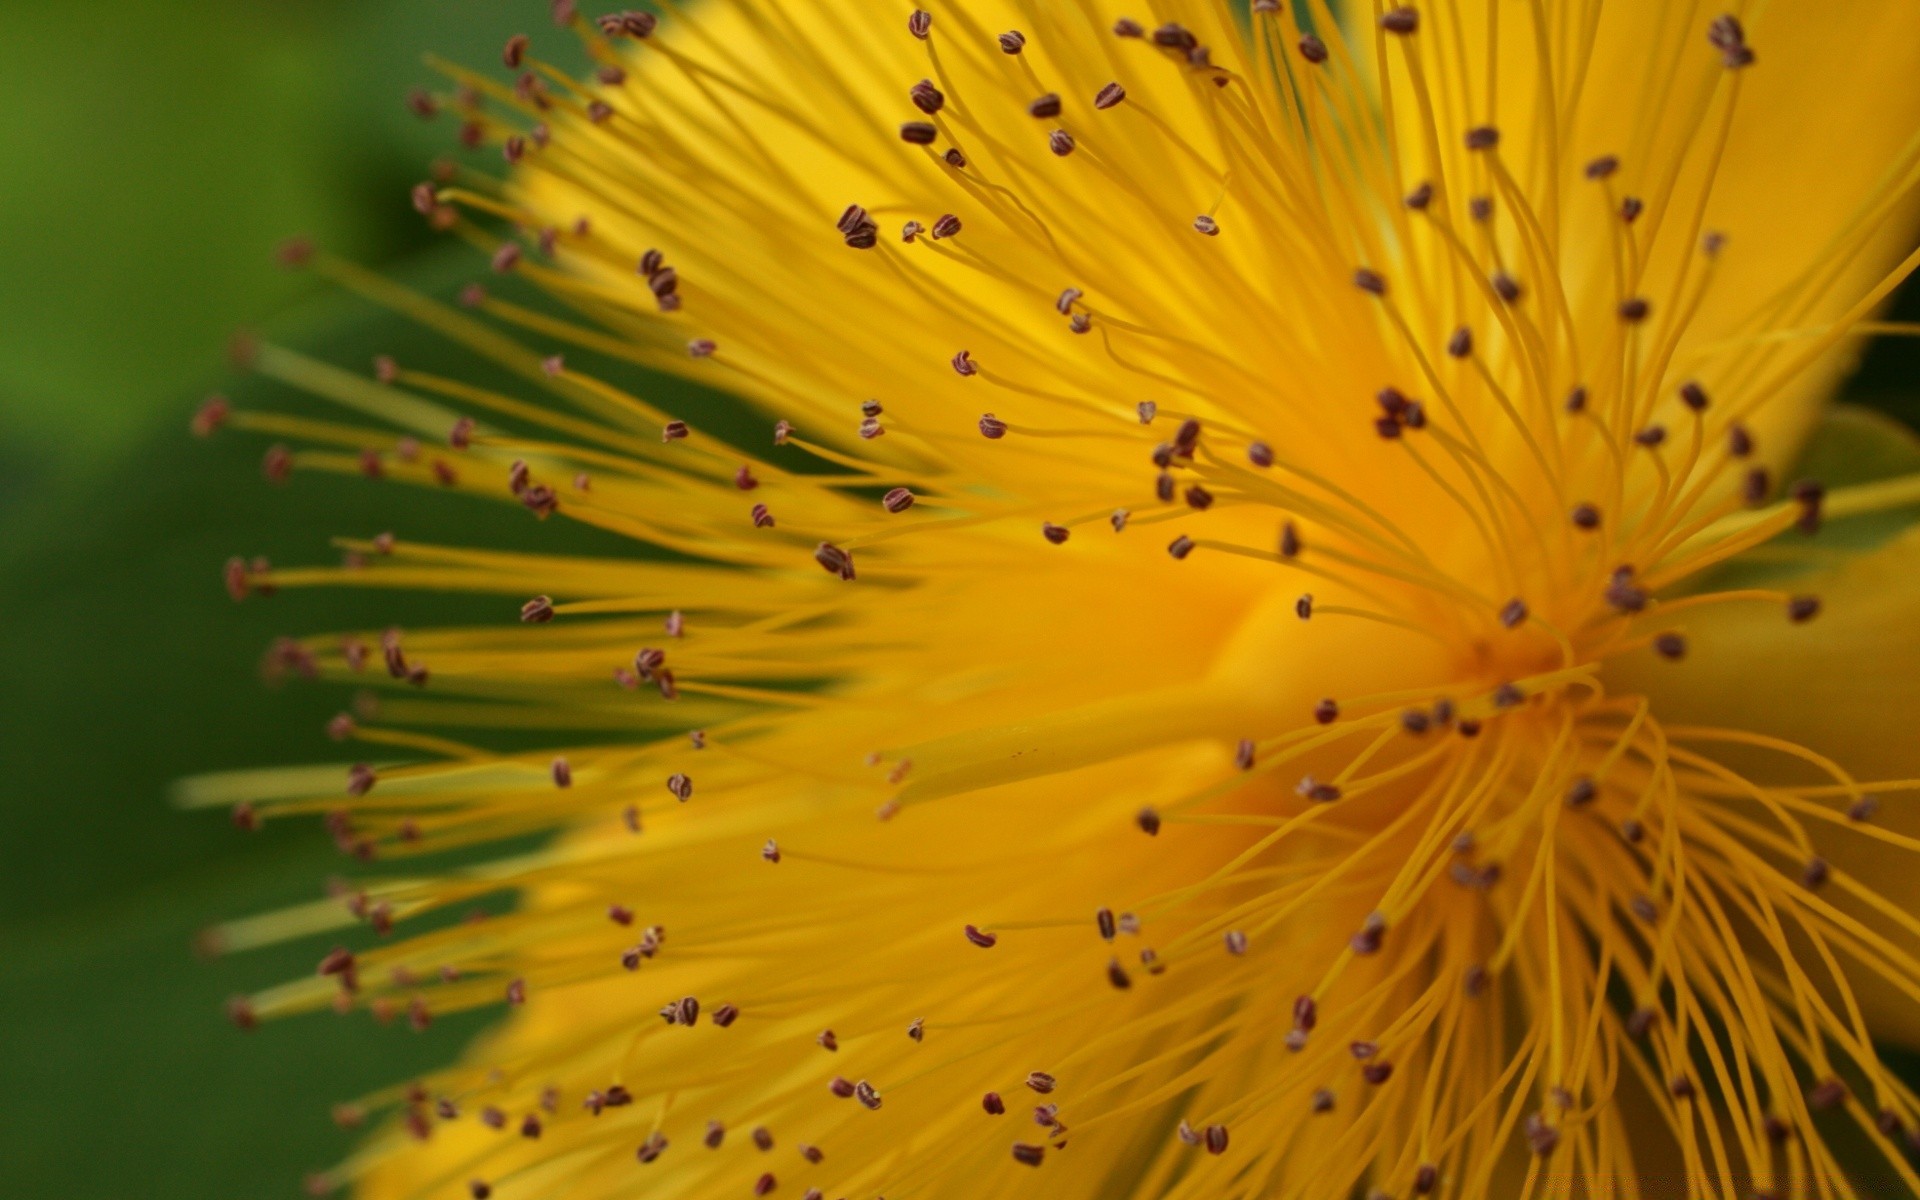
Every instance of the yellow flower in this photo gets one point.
(1270, 653)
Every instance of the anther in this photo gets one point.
(1117, 975)
(980, 938)
(1809, 494)
(897, 501)
(1028, 1154)
(1045, 107)
(1174, 37)
(954, 158)
(1739, 441)
(1206, 225)
(1631, 208)
(1755, 485)
(1643, 907)
(1057, 534)
(771, 851)
(1236, 942)
(1371, 282)
(1460, 345)
(1327, 711)
(1581, 792)
(864, 1092)
(1243, 754)
(911, 231)
(680, 786)
(1012, 42)
(812, 1154)
(562, 772)
(993, 1105)
(1828, 1093)
(920, 23)
(360, 779)
(1313, 49)
(926, 97)
(1040, 1082)
(1634, 309)
(833, 560)
(918, 133)
(1149, 821)
(1415, 721)
(1060, 142)
(1377, 1073)
(1815, 873)
(1322, 1100)
(1513, 612)
(1199, 497)
(991, 427)
(726, 1015)
(1216, 1139)
(1289, 541)
(963, 364)
(1585, 516)
(673, 431)
(1402, 20)
(1727, 36)
(1420, 197)
(1507, 695)
(654, 1146)
(1862, 809)
(1303, 607)
(1482, 137)
(1693, 396)
(1312, 789)
(1426, 1177)
(1576, 401)
(1670, 646)
(1542, 1138)
(1505, 286)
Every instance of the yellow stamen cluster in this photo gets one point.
(1147, 710)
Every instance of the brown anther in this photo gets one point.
(1415, 721)
(1670, 646)
(1371, 282)
(1327, 711)
(911, 231)
(1312, 789)
(1810, 495)
(1179, 547)
(277, 464)
(479, 1189)
(1426, 1177)
(1012, 41)
(1576, 401)
(1289, 541)
(656, 1143)
(1739, 441)
(1041, 1082)
(917, 1029)
(1377, 1073)
(1236, 942)
(1726, 35)
(1507, 695)
(1623, 594)
(1175, 37)
(1828, 1093)
(1045, 107)
(865, 1093)
(898, 500)
(1755, 485)
(980, 938)
(1149, 821)
(1474, 981)
(963, 364)
(1862, 809)
(726, 1015)
(771, 851)
(1694, 396)
(1631, 208)
(1216, 1139)
(1815, 873)
(919, 133)
(1057, 534)
(1206, 225)
(1513, 613)
(1109, 96)
(562, 772)
(827, 1041)
(1505, 286)
(1482, 137)
(1028, 1154)
(1060, 142)
(812, 1154)
(920, 23)
(537, 611)
(697, 348)
(1581, 792)
(680, 786)
(762, 518)
(993, 1105)
(421, 103)
(926, 97)
(1322, 1100)
(871, 428)
(1634, 309)
(1585, 516)
(1315, 51)
(360, 779)
(1542, 1138)
(1199, 497)
(210, 416)
(833, 560)
(955, 159)
(674, 431)
(1402, 20)
(1372, 931)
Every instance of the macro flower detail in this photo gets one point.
(1273, 633)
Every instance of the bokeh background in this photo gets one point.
(153, 154)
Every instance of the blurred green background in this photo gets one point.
(155, 151)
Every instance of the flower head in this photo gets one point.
(1222, 652)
